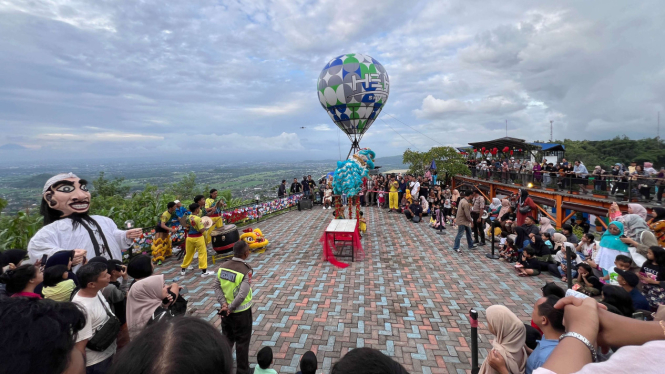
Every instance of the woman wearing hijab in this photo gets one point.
(64, 258)
(637, 209)
(657, 225)
(525, 207)
(546, 226)
(522, 239)
(537, 175)
(638, 234)
(143, 299)
(495, 207)
(611, 246)
(508, 350)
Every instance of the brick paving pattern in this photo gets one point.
(409, 297)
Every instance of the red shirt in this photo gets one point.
(31, 295)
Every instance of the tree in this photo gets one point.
(103, 187)
(447, 161)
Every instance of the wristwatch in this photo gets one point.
(580, 337)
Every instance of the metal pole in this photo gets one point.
(473, 317)
(569, 271)
(492, 255)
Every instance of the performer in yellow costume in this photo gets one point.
(195, 243)
(393, 195)
(211, 208)
(161, 245)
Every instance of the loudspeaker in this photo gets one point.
(305, 203)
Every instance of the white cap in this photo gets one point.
(177, 201)
(57, 178)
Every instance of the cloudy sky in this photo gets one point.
(224, 79)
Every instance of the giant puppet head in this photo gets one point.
(65, 195)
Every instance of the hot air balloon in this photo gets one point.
(353, 88)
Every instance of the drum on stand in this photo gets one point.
(224, 238)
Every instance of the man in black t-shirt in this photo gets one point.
(414, 212)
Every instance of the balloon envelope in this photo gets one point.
(353, 89)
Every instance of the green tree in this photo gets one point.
(16, 230)
(447, 160)
(106, 187)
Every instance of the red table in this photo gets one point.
(344, 231)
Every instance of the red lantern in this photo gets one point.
(511, 152)
(475, 151)
(505, 149)
(483, 149)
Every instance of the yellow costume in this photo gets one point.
(362, 225)
(393, 196)
(255, 239)
(195, 243)
(162, 246)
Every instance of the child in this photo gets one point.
(622, 262)
(652, 274)
(362, 223)
(447, 209)
(382, 199)
(510, 252)
(264, 360)
(327, 197)
(308, 363)
(610, 247)
(528, 265)
(587, 247)
(586, 282)
(56, 285)
(547, 239)
(573, 266)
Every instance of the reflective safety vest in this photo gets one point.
(230, 282)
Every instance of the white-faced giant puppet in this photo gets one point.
(68, 226)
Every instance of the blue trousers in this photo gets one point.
(461, 229)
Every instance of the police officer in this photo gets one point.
(235, 297)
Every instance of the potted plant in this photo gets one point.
(552, 186)
(600, 194)
(575, 189)
(599, 225)
(579, 218)
(517, 181)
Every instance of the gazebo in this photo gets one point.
(519, 147)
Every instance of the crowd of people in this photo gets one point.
(98, 315)
(642, 181)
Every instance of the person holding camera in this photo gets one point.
(149, 299)
(234, 294)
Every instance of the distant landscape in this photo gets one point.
(21, 186)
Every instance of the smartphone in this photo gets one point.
(623, 236)
(640, 316)
(43, 263)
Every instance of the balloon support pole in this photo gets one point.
(355, 147)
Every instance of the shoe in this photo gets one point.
(190, 267)
(456, 250)
(207, 274)
(324, 208)
(182, 271)
(481, 244)
(473, 247)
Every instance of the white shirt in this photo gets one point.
(415, 189)
(95, 318)
(60, 236)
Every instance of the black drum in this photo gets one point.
(224, 238)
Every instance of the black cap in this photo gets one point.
(631, 278)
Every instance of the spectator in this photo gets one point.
(611, 246)
(652, 274)
(264, 361)
(180, 210)
(660, 185)
(464, 221)
(295, 186)
(144, 298)
(93, 278)
(563, 267)
(414, 212)
(367, 360)
(551, 288)
(140, 267)
(311, 183)
(530, 227)
(629, 281)
(38, 337)
(495, 207)
(305, 187)
(587, 248)
(11, 259)
(637, 209)
(177, 345)
(327, 197)
(477, 210)
(638, 234)
(424, 204)
(308, 363)
(588, 283)
(657, 223)
(415, 188)
(581, 174)
(567, 231)
(21, 281)
(508, 350)
(56, 285)
(65, 258)
(525, 207)
(618, 298)
(115, 293)
(528, 265)
(550, 321)
(546, 226)
(281, 191)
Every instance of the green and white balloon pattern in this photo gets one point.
(353, 88)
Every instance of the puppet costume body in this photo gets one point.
(67, 225)
(61, 236)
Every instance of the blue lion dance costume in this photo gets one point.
(349, 174)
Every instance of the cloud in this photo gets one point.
(499, 105)
(322, 128)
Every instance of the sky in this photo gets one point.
(231, 80)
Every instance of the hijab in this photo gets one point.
(545, 225)
(12, 256)
(635, 225)
(539, 246)
(660, 214)
(521, 237)
(639, 210)
(62, 258)
(505, 207)
(455, 195)
(613, 241)
(495, 204)
(142, 300)
(524, 194)
(510, 337)
(559, 239)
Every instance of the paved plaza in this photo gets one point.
(409, 297)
